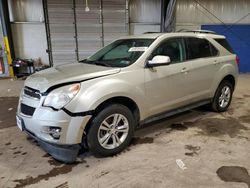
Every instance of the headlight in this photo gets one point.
(58, 98)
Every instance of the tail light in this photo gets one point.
(237, 61)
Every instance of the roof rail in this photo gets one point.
(197, 31)
(150, 32)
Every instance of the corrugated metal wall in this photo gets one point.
(62, 31)
(80, 37)
(89, 29)
(115, 19)
(145, 16)
(191, 14)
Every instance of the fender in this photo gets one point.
(96, 91)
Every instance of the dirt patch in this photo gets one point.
(8, 117)
(17, 152)
(58, 170)
(243, 137)
(102, 174)
(7, 144)
(32, 141)
(63, 185)
(217, 127)
(245, 119)
(230, 111)
(239, 98)
(234, 174)
(145, 140)
(46, 155)
(29, 138)
(54, 162)
(178, 126)
(193, 150)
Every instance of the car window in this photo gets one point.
(120, 53)
(199, 48)
(214, 51)
(174, 48)
(225, 44)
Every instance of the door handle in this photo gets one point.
(184, 70)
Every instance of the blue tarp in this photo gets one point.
(239, 38)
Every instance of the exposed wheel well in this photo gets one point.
(231, 79)
(117, 100)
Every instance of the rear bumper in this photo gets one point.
(64, 153)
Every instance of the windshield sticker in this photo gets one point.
(137, 49)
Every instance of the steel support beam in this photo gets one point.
(7, 34)
(101, 22)
(76, 33)
(164, 6)
(47, 27)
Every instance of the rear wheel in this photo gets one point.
(223, 96)
(111, 130)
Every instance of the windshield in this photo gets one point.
(120, 53)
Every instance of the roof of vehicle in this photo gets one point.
(174, 34)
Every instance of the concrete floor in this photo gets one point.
(214, 148)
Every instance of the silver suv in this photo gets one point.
(98, 102)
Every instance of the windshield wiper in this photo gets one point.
(101, 63)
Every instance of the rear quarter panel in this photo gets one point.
(227, 66)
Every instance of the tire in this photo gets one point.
(220, 95)
(104, 134)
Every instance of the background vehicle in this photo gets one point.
(134, 80)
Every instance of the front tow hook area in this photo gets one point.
(63, 153)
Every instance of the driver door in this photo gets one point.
(166, 86)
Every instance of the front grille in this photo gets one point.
(32, 93)
(27, 110)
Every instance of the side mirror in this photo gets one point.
(159, 60)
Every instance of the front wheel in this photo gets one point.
(111, 130)
(222, 97)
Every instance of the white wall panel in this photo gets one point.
(144, 16)
(189, 14)
(28, 30)
(30, 41)
(26, 10)
(145, 11)
(141, 28)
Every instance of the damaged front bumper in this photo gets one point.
(63, 152)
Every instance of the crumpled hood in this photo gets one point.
(67, 73)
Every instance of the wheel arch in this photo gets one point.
(229, 78)
(126, 101)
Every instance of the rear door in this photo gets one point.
(204, 58)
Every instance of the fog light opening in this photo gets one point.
(54, 132)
